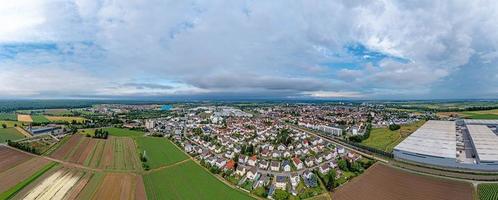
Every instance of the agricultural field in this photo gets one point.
(24, 118)
(17, 169)
(488, 191)
(9, 134)
(39, 119)
(64, 119)
(190, 181)
(57, 112)
(10, 158)
(115, 153)
(123, 132)
(385, 139)
(481, 114)
(120, 186)
(118, 132)
(11, 123)
(381, 182)
(159, 151)
(8, 116)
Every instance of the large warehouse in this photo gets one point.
(468, 144)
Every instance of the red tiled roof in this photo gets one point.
(230, 164)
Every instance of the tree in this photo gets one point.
(330, 179)
(394, 127)
(343, 165)
(281, 195)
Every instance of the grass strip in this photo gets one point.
(18, 187)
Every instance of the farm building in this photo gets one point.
(468, 144)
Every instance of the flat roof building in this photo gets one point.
(485, 142)
(435, 143)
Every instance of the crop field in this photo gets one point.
(12, 179)
(118, 132)
(188, 180)
(10, 124)
(117, 153)
(159, 151)
(385, 139)
(58, 183)
(381, 182)
(10, 158)
(64, 119)
(488, 191)
(123, 132)
(24, 118)
(56, 112)
(120, 186)
(9, 134)
(8, 116)
(39, 119)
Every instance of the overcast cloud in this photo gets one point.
(287, 49)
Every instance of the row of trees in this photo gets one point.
(99, 133)
(24, 147)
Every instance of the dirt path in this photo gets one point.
(24, 132)
(167, 166)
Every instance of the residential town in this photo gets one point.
(260, 150)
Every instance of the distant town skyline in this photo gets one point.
(249, 49)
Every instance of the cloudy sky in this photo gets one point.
(251, 49)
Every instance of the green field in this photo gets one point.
(488, 191)
(39, 119)
(188, 181)
(11, 123)
(9, 134)
(385, 139)
(58, 112)
(484, 114)
(8, 116)
(118, 132)
(159, 151)
(123, 132)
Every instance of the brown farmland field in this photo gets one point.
(117, 153)
(381, 182)
(24, 118)
(66, 148)
(121, 186)
(20, 172)
(10, 158)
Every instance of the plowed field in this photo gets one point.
(381, 182)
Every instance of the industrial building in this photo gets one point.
(465, 144)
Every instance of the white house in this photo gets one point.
(242, 159)
(309, 162)
(252, 161)
(240, 170)
(324, 168)
(275, 166)
(297, 162)
(286, 166)
(294, 179)
(281, 182)
(252, 173)
(264, 164)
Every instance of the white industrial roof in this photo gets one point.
(434, 138)
(481, 121)
(485, 142)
